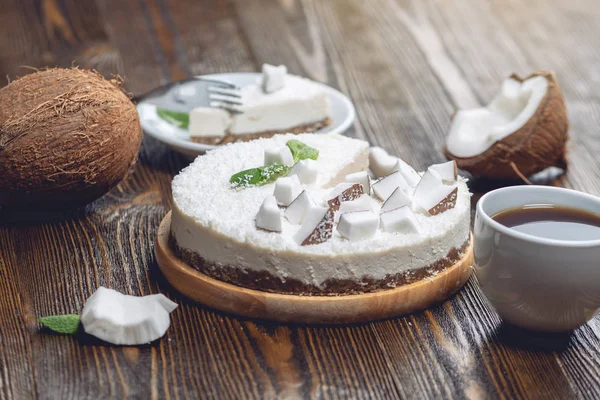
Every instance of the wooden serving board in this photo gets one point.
(307, 309)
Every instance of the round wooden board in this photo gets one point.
(307, 309)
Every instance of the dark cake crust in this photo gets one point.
(218, 140)
(265, 281)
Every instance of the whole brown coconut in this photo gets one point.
(537, 145)
(67, 136)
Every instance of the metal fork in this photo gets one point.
(203, 92)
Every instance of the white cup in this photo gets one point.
(533, 282)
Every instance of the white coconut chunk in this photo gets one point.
(273, 78)
(287, 188)
(397, 199)
(316, 228)
(296, 211)
(306, 171)
(476, 130)
(358, 225)
(433, 196)
(209, 121)
(412, 177)
(339, 189)
(361, 177)
(353, 192)
(384, 187)
(279, 155)
(399, 220)
(447, 171)
(363, 203)
(126, 320)
(380, 162)
(269, 215)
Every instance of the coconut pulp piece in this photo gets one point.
(287, 188)
(361, 177)
(384, 187)
(399, 220)
(397, 199)
(447, 171)
(433, 196)
(273, 78)
(296, 211)
(279, 155)
(380, 162)
(306, 171)
(129, 320)
(358, 225)
(316, 228)
(269, 215)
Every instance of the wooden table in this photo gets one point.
(407, 65)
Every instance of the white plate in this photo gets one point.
(342, 115)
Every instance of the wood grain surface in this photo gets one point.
(407, 65)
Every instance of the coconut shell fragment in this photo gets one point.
(352, 193)
(540, 143)
(67, 136)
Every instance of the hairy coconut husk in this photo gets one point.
(539, 144)
(67, 136)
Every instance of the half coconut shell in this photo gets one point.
(540, 143)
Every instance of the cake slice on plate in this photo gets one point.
(277, 103)
(301, 214)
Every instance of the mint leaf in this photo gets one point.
(301, 151)
(179, 119)
(66, 324)
(258, 176)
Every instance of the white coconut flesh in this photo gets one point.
(476, 130)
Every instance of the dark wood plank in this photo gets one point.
(407, 65)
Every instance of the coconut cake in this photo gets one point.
(216, 227)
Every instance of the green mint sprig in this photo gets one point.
(179, 119)
(66, 324)
(258, 176)
(301, 151)
(266, 174)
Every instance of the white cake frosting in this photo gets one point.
(299, 102)
(217, 222)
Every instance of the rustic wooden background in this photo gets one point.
(406, 65)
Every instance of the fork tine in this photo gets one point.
(225, 92)
(218, 82)
(224, 99)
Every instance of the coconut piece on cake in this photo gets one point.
(306, 171)
(411, 176)
(297, 210)
(447, 171)
(397, 199)
(279, 155)
(433, 196)
(380, 162)
(273, 78)
(287, 188)
(358, 225)
(348, 194)
(363, 203)
(316, 228)
(399, 220)
(269, 215)
(384, 187)
(361, 177)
